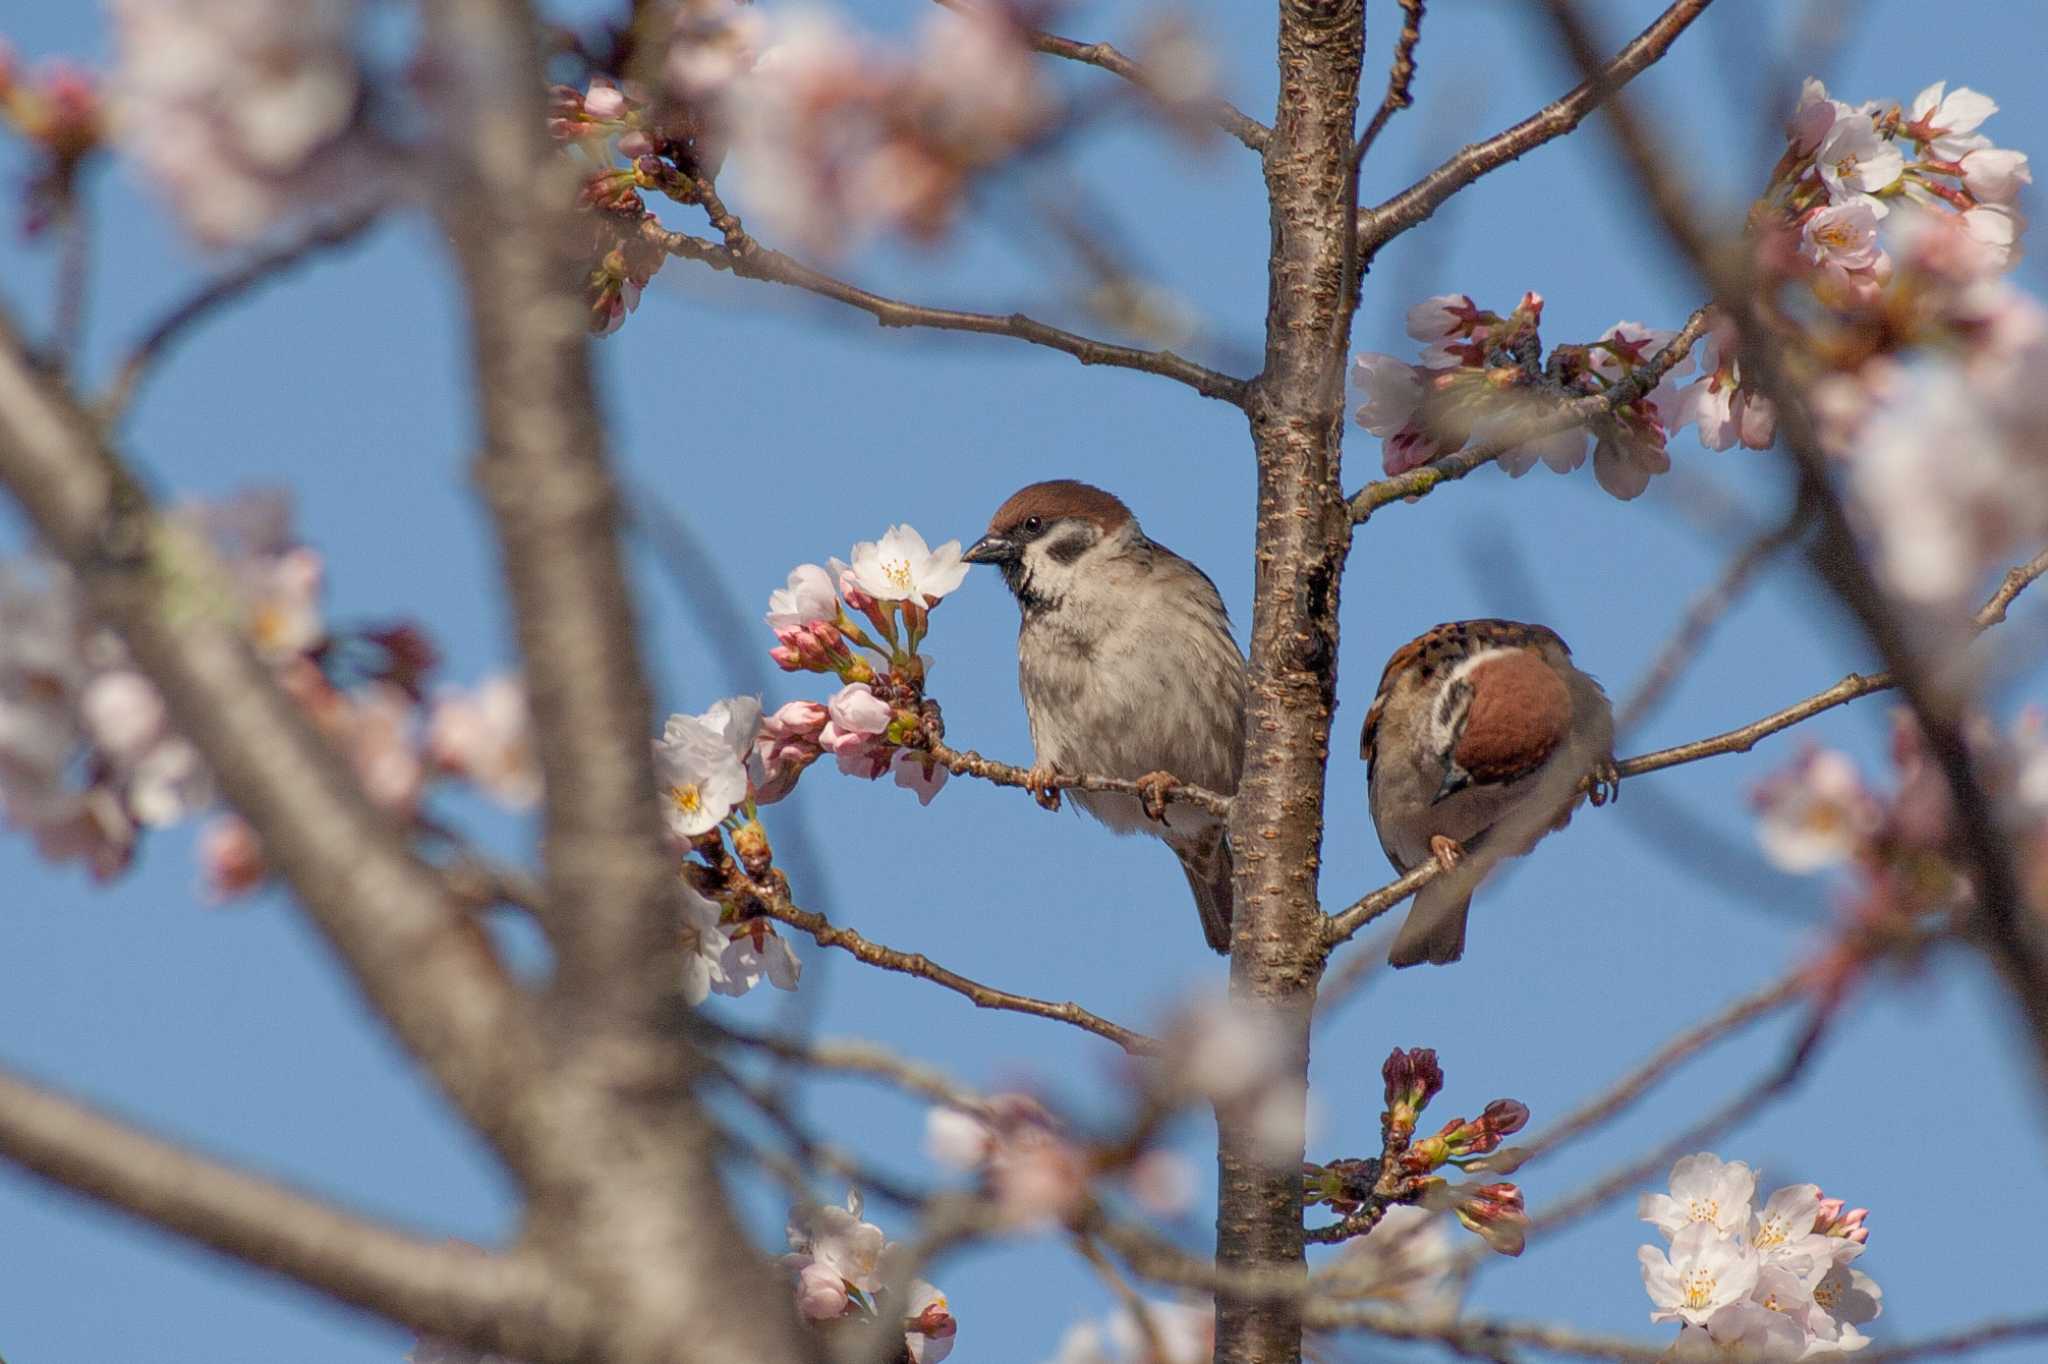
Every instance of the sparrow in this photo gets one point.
(1480, 738)
(1128, 669)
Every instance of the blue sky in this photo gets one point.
(782, 430)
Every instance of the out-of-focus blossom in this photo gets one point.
(1492, 1212)
(839, 1240)
(1393, 391)
(243, 114)
(928, 1324)
(1029, 1169)
(704, 945)
(1816, 814)
(230, 858)
(1812, 117)
(1405, 1260)
(836, 136)
(485, 735)
(1741, 1330)
(820, 1291)
(715, 42)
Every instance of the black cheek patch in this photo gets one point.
(1067, 550)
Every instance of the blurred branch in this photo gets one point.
(1572, 412)
(224, 289)
(1342, 925)
(1217, 110)
(1400, 79)
(1702, 616)
(411, 949)
(773, 900)
(748, 259)
(445, 1289)
(1412, 206)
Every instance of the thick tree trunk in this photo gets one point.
(1296, 408)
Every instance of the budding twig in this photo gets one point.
(1570, 413)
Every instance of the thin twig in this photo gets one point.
(967, 763)
(1414, 205)
(217, 293)
(775, 903)
(1345, 923)
(1570, 413)
(1400, 79)
(74, 276)
(748, 259)
(1221, 112)
(1701, 617)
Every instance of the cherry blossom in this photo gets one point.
(918, 772)
(1742, 1330)
(820, 1291)
(900, 567)
(704, 946)
(1393, 390)
(839, 1240)
(1816, 814)
(1706, 1189)
(1703, 1273)
(484, 735)
(1950, 119)
(714, 43)
(699, 775)
(809, 597)
(928, 1325)
(1995, 175)
(1406, 1260)
(242, 113)
(230, 858)
(1855, 161)
(787, 743)
(755, 951)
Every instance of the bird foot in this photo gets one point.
(1039, 782)
(1152, 790)
(1449, 852)
(1606, 784)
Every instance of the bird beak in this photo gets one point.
(991, 549)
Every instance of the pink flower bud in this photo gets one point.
(636, 144)
(604, 103)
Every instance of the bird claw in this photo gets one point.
(1447, 851)
(1606, 784)
(1152, 790)
(1039, 782)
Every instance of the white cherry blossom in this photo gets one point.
(1704, 1189)
(900, 567)
(809, 596)
(1854, 160)
(704, 946)
(700, 778)
(1704, 1272)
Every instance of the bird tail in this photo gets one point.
(1207, 864)
(1434, 930)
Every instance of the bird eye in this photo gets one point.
(1033, 524)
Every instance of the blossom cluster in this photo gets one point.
(823, 621)
(245, 114)
(841, 1268)
(1170, 1333)
(1903, 843)
(1405, 1173)
(1774, 1283)
(1482, 379)
(838, 136)
(89, 758)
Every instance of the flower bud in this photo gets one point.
(750, 845)
(1413, 1078)
(1492, 1212)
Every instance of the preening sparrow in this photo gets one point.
(1128, 669)
(1477, 742)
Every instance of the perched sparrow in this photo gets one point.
(1128, 670)
(1478, 740)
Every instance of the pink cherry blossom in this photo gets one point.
(820, 1292)
(808, 597)
(1393, 391)
(1948, 117)
(787, 743)
(919, 772)
(1854, 160)
(485, 735)
(1995, 175)
(230, 858)
(1842, 236)
(1813, 116)
(603, 102)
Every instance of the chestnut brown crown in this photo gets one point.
(1036, 506)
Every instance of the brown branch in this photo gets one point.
(621, 1171)
(1344, 924)
(1414, 205)
(775, 903)
(967, 763)
(410, 948)
(1594, 407)
(1400, 80)
(217, 293)
(507, 1303)
(749, 259)
(1217, 110)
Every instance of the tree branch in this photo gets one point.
(967, 763)
(449, 1289)
(224, 289)
(1573, 412)
(749, 259)
(408, 946)
(1217, 110)
(1400, 80)
(1413, 206)
(773, 900)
